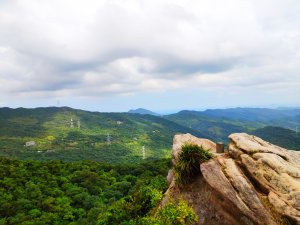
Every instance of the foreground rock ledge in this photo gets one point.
(254, 182)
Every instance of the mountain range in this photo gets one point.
(71, 134)
(143, 111)
(219, 123)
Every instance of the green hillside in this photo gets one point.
(217, 128)
(219, 123)
(280, 136)
(120, 137)
(110, 137)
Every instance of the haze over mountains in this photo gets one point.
(143, 111)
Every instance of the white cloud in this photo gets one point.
(102, 48)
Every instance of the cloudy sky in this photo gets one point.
(159, 54)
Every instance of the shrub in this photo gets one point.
(173, 213)
(188, 165)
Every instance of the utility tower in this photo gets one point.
(78, 124)
(143, 152)
(108, 139)
(71, 123)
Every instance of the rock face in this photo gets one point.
(254, 182)
(275, 170)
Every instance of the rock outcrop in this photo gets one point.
(253, 182)
(181, 139)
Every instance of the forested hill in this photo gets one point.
(217, 128)
(280, 136)
(69, 134)
(219, 123)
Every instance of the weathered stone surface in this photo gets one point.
(275, 170)
(291, 213)
(238, 194)
(249, 144)
(256, 182)
(204, 200)
(170, 176)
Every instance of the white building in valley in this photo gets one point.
(30, 143)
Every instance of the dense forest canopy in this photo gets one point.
(57, 192)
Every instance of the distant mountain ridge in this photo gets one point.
(72, 134)
(143, 112)
(251, 114)
(283, 137)
(219, 123)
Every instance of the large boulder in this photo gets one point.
(274, 170)
(254, 182)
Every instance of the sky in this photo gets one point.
(163, 55)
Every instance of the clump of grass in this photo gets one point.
(188, 165)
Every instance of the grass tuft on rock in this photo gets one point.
(188, 165)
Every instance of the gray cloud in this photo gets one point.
(102, 48)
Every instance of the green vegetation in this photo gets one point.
(218, 124)
(188, 165)
(172, 213)
(57, 192)
(56, 139)
(42, 190)
(218, 129)
(280, 136)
